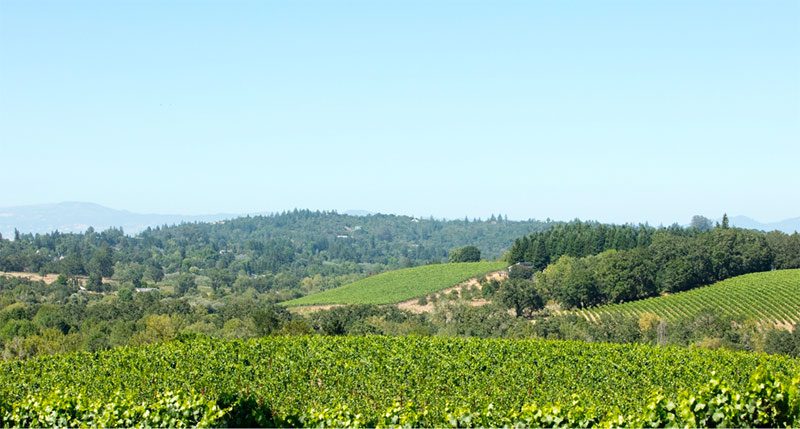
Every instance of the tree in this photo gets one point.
(537, 255)
(72, 264)
(521, 295)
(185, 283)
(154, 272)
(269, 319)
(786, 249)
(465, 254)
(220, 278)
(130, 273)
(725, 222)
(736, 251)
(520, 271)
(518, 249)
(571, 282)
(125, 294)
(101, 263)
(95, 282)
(51, 316)
(701, 223)
(625, 275)
(61, 280)
(489, 288)
(157, 327)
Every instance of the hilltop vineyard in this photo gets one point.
(395, 286)
(772, 297)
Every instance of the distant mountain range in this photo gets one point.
(75, 216)
(78, 216)
(788, 226)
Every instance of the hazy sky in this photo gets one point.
(617, 111)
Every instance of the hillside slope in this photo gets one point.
(395, 286)
(788, 226)
(300, 243)
(772, 297)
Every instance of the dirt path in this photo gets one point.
(48, 278)
(307, 309)
(414, 306)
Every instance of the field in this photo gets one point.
(400, 285)
(306, 380)
(772, 297)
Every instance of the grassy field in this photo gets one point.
(772, 296)
(282, 377)
(396, 286)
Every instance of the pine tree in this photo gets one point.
(539, 257)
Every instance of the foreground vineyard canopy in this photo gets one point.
(286, 378)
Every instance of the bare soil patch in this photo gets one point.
(307, 309)
(48, 278)
(414, 306)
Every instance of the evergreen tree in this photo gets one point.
(102, 263)
(537, 255)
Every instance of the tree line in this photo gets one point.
(278, 251)
(586, 264)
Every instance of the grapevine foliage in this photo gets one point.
(400, 382)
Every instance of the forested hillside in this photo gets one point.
(280, 250)
(225, 280)
(586, 264)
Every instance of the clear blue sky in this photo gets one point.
(617, 111)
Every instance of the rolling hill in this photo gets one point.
(399, 285)
(787, 225)
(772, 297)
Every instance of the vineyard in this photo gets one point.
(772, 297)
(400, 285)
(397, 381)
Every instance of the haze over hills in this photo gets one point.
(78, 216)
(788, 225)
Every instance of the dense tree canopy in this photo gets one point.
(299, 244)
(225, 279)
(520, 295)
(670, 263)
(465, 254)
(579, 239)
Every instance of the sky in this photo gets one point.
(619, 111)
